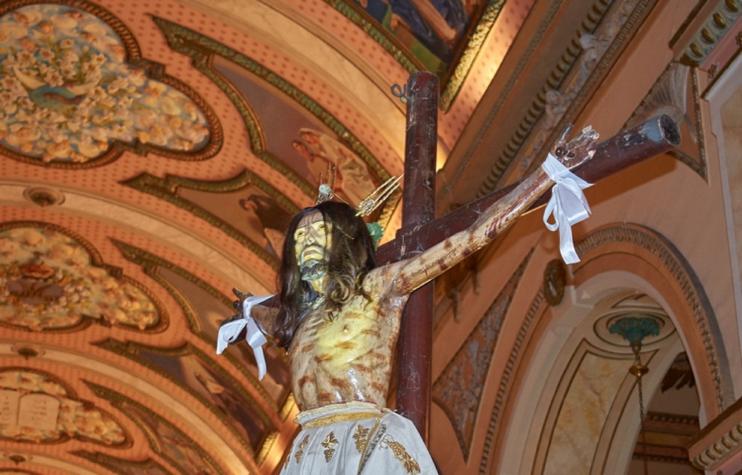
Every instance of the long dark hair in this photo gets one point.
(350, 258)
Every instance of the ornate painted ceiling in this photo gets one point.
(153, 152)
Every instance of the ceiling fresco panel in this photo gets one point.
(165, 439)
(76, 92)
(205, 308)
(442, 36)
(38, 408)
(245, 207)
(53, 281)
(267, 102)
(202, 377)
(209, 314)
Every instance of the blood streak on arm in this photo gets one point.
(416, 271)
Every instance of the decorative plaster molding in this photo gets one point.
(706, 33)
(583, 65)
(459, 387)
(719, 440)
(687, 282)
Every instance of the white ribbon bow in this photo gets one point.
(229, 332)
(568, 205)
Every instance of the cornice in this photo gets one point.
(708, 26)
(719, 440)
(570, 84)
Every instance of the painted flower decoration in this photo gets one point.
(48, 281)
(66, 92)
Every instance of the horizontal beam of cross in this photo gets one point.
(653, 137)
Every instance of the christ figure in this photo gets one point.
(339, 317)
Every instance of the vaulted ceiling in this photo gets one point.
(153, 153)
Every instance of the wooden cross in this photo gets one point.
(420, 230)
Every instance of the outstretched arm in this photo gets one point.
(419, 270)
(264, 313)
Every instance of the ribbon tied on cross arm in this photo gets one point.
(567, 205)
(229, 332)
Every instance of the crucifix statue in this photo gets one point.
(339, 311)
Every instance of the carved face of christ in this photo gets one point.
(312, 239)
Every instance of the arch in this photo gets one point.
(626, 256)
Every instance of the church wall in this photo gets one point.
(694, 214)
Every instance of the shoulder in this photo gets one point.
(265, 317)
(379, 280)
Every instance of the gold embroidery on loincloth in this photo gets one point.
(400, 453)
(300, 450)
(327, 420)
(360, 435)
(329, 444)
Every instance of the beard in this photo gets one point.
(312, 270)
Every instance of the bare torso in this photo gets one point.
(348, 357)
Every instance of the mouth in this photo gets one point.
(311, 253)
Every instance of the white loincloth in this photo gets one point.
(357, 438)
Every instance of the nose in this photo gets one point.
(311, 236)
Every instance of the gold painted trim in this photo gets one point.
(200, 48)
(96, 260)
(334, 418)
(118, 401)
(167, 189)
(131, 349)
(455, 74)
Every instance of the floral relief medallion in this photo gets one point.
(50, 281)
(73, 92)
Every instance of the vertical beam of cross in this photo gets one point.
(418, 208)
